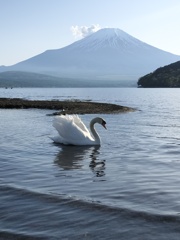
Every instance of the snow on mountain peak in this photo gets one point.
(106, 37)
(108, 33)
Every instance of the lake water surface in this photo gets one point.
(128, 188)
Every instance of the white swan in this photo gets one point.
(73, 131)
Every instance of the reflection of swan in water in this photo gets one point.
(72, 130)
(70, 158)
(97, 166)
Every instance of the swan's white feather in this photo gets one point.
(79, 123)
(72, 130)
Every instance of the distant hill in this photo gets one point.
(28, 79)
(167, 76)
(13, 79)
(109, 54)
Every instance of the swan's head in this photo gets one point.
(101, 121)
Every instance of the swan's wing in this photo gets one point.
(79, 123)
(70, 131)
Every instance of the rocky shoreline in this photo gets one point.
(69, 107)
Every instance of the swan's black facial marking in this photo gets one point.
(104, 124)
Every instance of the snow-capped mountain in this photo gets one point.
(107, 54)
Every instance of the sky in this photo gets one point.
(30, 27)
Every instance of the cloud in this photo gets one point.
(83, 31)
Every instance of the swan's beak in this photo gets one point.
(104, 125)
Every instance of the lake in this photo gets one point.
(128, 188)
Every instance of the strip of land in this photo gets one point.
(68, 107)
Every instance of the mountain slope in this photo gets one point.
(107, 54)
(167, 76)
(15, 79)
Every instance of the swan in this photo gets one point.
(72, 131)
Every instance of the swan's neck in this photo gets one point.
(93, 131)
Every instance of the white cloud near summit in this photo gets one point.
(83, 31)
